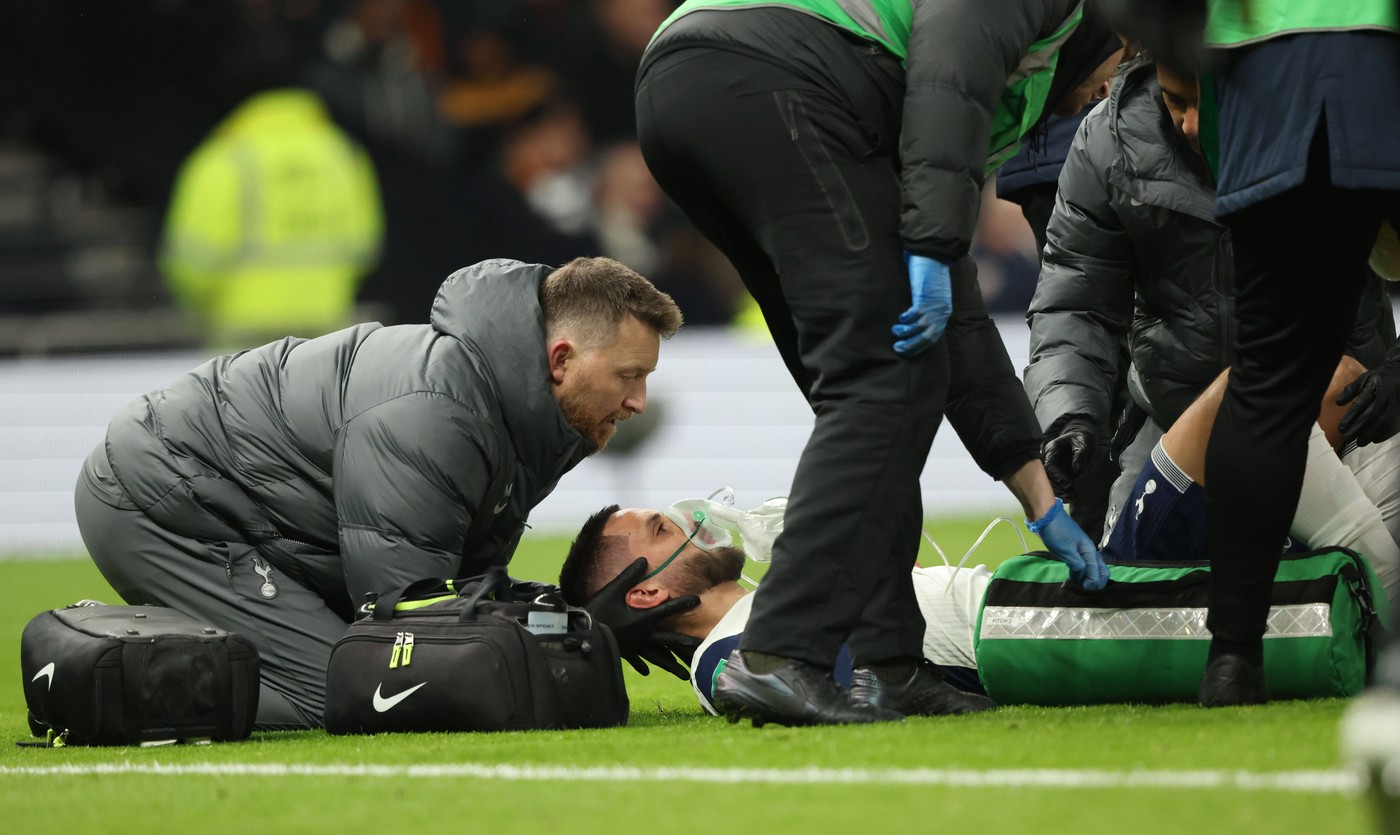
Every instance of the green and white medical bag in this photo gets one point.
(1144, 637)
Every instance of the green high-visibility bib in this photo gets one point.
(888, 23)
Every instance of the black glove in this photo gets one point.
(525, 590)
(1374, 415)
(671, 651)
(635, 629)
(1068, 455)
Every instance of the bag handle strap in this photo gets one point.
(491, 582)
(384, 604)
(1373, 631)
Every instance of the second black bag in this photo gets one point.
(123, 675)
(479, 655)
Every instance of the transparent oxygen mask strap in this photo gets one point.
(726, 492)
(975, 545)
(929, 540)
(927, 537)
(987, 530)
(967, 618)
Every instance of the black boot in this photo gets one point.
(796, 693)
(923, 692)
(1231, 680)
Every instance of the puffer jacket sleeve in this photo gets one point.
(986, 405)
(1083, 303)
(408, 476)
(961, 53)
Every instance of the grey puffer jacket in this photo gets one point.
(355, 462)
(1134, 253)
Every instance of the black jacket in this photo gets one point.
(1134, 253)
(960, 55)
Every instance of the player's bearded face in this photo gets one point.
(707, 569)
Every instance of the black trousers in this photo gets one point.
(797, 182)
(1300, 269)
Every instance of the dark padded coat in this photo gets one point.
(960, 56)
(1134, 253)
(355, 462)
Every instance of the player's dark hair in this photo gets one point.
(580, 576)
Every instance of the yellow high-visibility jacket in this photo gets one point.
(274, 221)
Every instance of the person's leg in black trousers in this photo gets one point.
(1001, 439)
(766, 162)
(1300, 261)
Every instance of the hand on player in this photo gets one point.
(635, 629)
(1374, 415)
(1068, 542)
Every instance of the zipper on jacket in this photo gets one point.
(297, 542)
(792, 119)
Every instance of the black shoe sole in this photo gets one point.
(735, 708)
(757, 715)
(1230, 682)
(1236, 700)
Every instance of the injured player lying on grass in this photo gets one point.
(1351, 498)
(613, 538)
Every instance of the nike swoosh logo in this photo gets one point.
(46, 672)
(506, 500)
(781, 686)
(382, 704)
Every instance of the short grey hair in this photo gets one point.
(588, 297)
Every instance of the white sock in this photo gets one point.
(1334, 510)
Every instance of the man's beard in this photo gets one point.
(698, 575)
(599, 431)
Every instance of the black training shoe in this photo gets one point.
(922, 693)
(797, 693)
(1230, 680)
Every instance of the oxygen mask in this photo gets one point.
(717, 523)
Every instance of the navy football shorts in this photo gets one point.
(1164, 518)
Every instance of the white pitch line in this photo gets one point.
(1317, 782)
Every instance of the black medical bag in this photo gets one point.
(125, 675)
(482, 654)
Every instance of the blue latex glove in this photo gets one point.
(1071, 546)
(922, 324)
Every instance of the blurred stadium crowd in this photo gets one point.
(494, 128)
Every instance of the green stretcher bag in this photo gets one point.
(1144, 637)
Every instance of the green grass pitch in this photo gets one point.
(673, 769)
